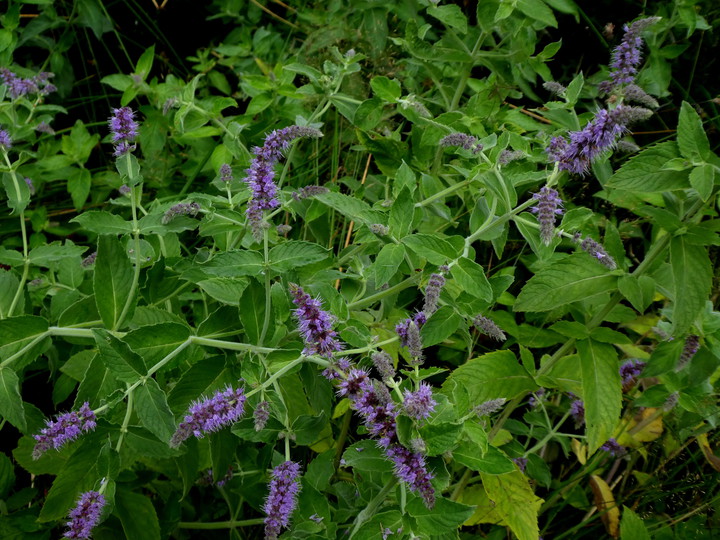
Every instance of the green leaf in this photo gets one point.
(493, 375)
(118, 81)
(368, 114)
(79, 183)
(493, 461)
(152, 409)
(129, 169)
(366, 456)
(386, 89)
(125, 365)
(308, 428)
(440, 326)
(252, 311)
(536, 9)
(11, 404)
(18, 192)
(101, 222)
(155, 341)
(632, 527)
(144, 64)
(644, 172)
(294, 254)
(97, 384)
(574, 278)
(450, 15)
(515, 501)
(440, 438)
(435, 250)
(471, 278)
(350, 207)
(25, 334)
(112, 280)
(692, 279)
(80, 143)
(638, 290)
(401, 214)
(445, 516)
(137, 515)
(47, 254)
(702, 179)
(195, 382)
(404, 178)
(387, 263)
(691, 137)
(7, 475)
(235, 264)
(223, 446)
(602, 390)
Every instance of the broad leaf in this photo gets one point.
(692, 279)
(645, 172)
(691, 137)
(112, 280)
(387, 263)
(152, 408)
(294, 254)
(11, 404)
(137, 515)
(471, 278)
(515, 502)
(125, 365)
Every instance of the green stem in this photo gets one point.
(220, 524)
(369, 300)
(369, 348)
(230, 345)
(372, 506)
(136, 273)
(466, 74)
(23, 231)
(266, 271)
(126, 421)
(445, 192)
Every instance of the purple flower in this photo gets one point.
(89, 260)
(489, 328)
(282, 498)
(44, 127)
(30, 185)
(211, 414)
(577, 411)
(629, 372)
(19, 87)
(226, 173)
(66, 428)
(576, 155)
(692, 344)
(626, 56)
(124, 130)
(308, 192)
(432, 294)
(547, 207)
(420, 403)
(410, 468)
(592, 247)
(180, 209)
(314, 324)
(488, 407)
(468, 142)
(85, 516)
(613, 448)
(260, 175)
(261, 414)
(384, 364)
(521, 462)
(403, 327)
(5, 140)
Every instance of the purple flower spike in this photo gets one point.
(692, 344)
(86, 515)
(384, 364)
(468, 142)
(420, 403)
(226, 173)
(629, 372)
(489, 328)
(124, 130)
(577, 411)
(548, 206)
(261, 174)
(626, 56)
(66, 428)
(432, 293)
(613, 448)
(410, 468)
(261, 414)
(592, 247)
(314, 324)
(5, 140)
(211, 414)
(282, 498)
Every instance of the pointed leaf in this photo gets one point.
(294, 254)
(515, 501)
(112, 280)
(691, 137)
(125, 365)
(11, 404)
(152, 409)
(692, 280)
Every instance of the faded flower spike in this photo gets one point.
(626, 57)
(308, 192)
(548, 206)
(488, 327)
(613, 448)
(180, 209)
(384, 364)
(124, 130)
(282, 498)
(261, 414)
(629, 372)
(314, 324)
(554, 88)
(692, 344)
(5, 140)
(488, 407)
(592, 247)
(468, 142)
(86, 515)
(211, 414)
(261, 174)
(66, 428)
(420, 403)
(226, 173)
(432, 293)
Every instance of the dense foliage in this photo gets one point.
(408, 269)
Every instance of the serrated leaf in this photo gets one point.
(155, 341)
(18, 193)
(123, 362)
(536, 9)
(252, 311)
(235, 264)
(11, 404)
(78, 186)
(445, 516)
(692, 280)
(435, 250)
(101, 222)
(639, 291)
(602, 390)
(112, 280)
(440, 326)
(577, 277)
(702, 180)
(137, 515)
(691, 137)
(294, 254)
(366, 456)
(515, 502)
(401, 214)
(152, 409)
(450, 15)
(97, 384)
(632, 527)
(644, 172)
(471, 278)
(387, 263)
(386, 89)
(493, 461)
(145, 62)
(23, 333)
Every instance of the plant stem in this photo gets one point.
(369, 300)
(372, 506)
(220, 524)
(266, 271)
(126, 421)
(136, 273)
(230, 345)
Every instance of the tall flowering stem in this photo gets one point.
(64, 429)
(549, 205)
(223, 408)
(261, 174)
(124, 130)
(86, 515)
(315, 324)
(626, 57)
(282, 498)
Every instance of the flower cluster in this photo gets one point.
(408, 331)
(86, 515)
(308, 192)
(576, 154)
(5, 140)
(314, 324)
(282, 498)
(124, 130)
(626, 56)
(432, 293)
(629, 372)
(468, 142)
(690, 348)
(226, 173)
(19, 87)
(488, 407)
(549, 204)
(65, 428)
(261, 415)
(384, 364)
(613, 448)
(212, 414)
(419, 404)
(489, 328)
(577, 411)
(180, 209)
(261, 174)
(590, 246)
